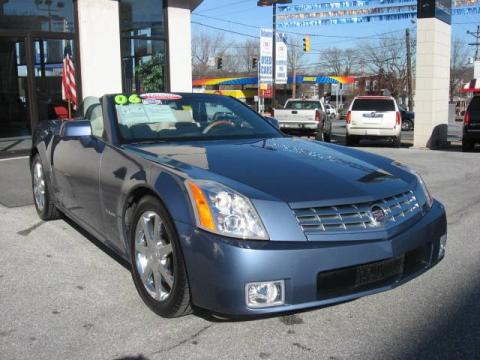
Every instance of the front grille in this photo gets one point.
(358, 217)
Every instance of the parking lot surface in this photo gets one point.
(63, 296)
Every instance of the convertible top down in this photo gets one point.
(214, 207)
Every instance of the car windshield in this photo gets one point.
(373, 105)
(170, 117)
(302, 105)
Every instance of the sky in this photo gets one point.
(229, 14)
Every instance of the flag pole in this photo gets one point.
(69, 110)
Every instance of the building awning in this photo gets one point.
(472, 86)
(300, 79)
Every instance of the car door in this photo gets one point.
(77, 163)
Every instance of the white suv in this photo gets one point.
(371, 117)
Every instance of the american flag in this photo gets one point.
(69, 86)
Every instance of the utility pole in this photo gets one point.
(294, 72)
(409, 70)
(274, 55)
(476, 66)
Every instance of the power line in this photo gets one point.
(313, 52)
(224, 6)
(300, 34)
(221, 29)
(476, 35)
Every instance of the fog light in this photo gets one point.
(265, 294)
(443, 246)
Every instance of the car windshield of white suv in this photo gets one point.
(169, 117)
(378, 105)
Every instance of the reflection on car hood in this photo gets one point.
(289, 169)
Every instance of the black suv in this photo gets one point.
(471, 124)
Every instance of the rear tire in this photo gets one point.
(397, 142)
(351, 140)
(42, 195)
(327, 137)
(157, 263)
(319, 136)
(467, 145)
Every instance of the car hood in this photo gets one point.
(293, 170)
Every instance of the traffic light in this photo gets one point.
(254, 63)
(306, 44)
(219, 63)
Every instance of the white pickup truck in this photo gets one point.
(305, 116)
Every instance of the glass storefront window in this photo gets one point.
(38, 15)
(143, 45)
(137, 16)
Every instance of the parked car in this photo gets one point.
(408, 118)
(331, 111)
(373, 117)
(471, 124)
(305, 116)
(214, 207)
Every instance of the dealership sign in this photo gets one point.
(266, 58)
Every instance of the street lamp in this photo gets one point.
(273, 4)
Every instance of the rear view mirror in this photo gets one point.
(76, 128)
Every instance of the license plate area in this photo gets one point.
(361, 277)
(372, 273)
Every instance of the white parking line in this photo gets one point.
(15, 158)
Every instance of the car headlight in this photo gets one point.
(223, 211)
(421, 183)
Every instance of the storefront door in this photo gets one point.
(15, 112)
(30, 85)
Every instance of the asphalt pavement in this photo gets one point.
(64, 296)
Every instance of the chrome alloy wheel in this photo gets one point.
(39, 185)
(154, 256)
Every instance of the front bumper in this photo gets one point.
(219, 268)
(470, 134)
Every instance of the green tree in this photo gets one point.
(151, 75)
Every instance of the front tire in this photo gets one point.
(467, 145)
(407, 125)
(42, 195)
(157, 263)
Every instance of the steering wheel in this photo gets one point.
(217, 123)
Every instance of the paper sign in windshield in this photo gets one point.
(144, 114)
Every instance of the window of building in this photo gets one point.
(143, 45)
(38, 15)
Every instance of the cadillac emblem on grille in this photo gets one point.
(377, 214)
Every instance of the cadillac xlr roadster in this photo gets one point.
(214, 207)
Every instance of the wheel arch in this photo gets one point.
(170, 200)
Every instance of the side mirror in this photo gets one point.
(76, 128)
(273, 122)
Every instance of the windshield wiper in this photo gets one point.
(147, 142)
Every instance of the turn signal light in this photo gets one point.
(317, 116)
(349, 117)
(466, 118)
(204, 213)
(399, 118)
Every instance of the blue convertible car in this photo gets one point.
(214, 207)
